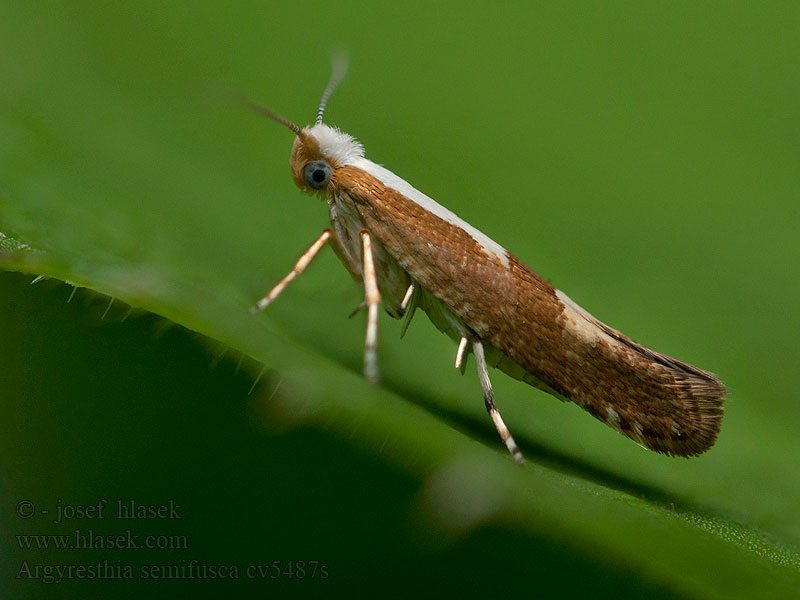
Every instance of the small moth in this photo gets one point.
(410, 252)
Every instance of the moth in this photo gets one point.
(410, 253)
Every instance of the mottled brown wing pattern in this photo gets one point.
(658, 401)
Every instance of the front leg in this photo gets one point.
(299, 267)
(372, 298)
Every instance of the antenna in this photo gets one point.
(261, 110)
(339, 64)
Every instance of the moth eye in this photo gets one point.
(318, 173)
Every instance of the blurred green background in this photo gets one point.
(643, 157)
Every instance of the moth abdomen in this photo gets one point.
(664, 404)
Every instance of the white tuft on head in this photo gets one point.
(336, 145)
(346, 150)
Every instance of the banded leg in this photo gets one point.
(299, 267)
(488, 398)
(372, 297)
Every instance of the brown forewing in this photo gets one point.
(660, 402)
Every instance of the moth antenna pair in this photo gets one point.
(338, 73)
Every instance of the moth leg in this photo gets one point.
(373, 298)
(407, 298)
(460, 355)
(409, 307)
(357, 309)
(488, 397)
(298, 268)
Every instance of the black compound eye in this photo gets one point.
(318, 173)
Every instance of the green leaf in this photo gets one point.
(645, 159)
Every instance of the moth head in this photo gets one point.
(318, 150)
